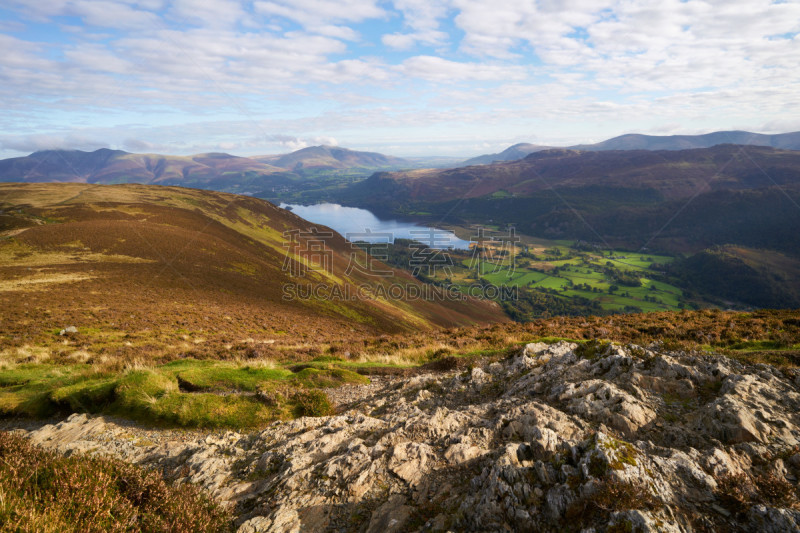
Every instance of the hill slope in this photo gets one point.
(128, 258)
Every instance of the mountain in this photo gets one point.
(106, 166)
(680, 201)
(512, 153)
(143, 257)
(215, 171)
(635, 141)
(332, 158)
(786, 141)
(663, 174)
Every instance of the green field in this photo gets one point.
(617, 280)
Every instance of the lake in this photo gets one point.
(361, 225)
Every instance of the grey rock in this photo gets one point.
(558, 428)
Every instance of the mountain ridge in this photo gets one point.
(638, 141)
(672, 173)
(215, 170)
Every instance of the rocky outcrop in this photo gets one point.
(556, 437)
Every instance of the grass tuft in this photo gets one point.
(185, 393)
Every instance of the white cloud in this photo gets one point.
(292, 144)
(95, 57)
(142, 146)
(102, 13)
(33, 143)
(111, 14)
(423, 17)
(434, 68)
(322, 16)
(208, 13)
(509, 68)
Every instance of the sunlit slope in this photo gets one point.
(133, 255)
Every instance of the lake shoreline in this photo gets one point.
(359, 224)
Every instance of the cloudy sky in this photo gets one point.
(404, 77)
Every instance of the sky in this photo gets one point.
(401, 77)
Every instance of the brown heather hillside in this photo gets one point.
(147, 270)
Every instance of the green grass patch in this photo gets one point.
(224, 376)
(185, 393)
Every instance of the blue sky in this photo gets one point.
(403, 77)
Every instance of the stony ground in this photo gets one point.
(555, 438)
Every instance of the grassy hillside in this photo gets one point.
(173, 262)
(289, 380)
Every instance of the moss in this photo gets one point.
(710, 389)
(324, 378)
(623, 453)
(592, 349)
(670, 417)
(672, 399)
(88, 396)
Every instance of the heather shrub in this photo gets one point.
(45, 492)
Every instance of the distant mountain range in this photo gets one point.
(512, 153)
(635, 141)
(217, 171)
(332, 157)
(290, 173)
